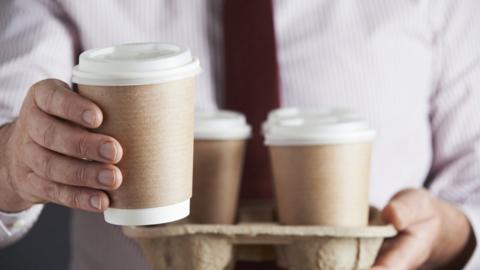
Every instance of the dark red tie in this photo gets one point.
(252, 87)
(252, 83)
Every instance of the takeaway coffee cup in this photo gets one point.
(321, 166)
(220, 138)
(146, 92)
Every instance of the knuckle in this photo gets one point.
(47, 94)
(75, 200)
(65, 103)
(52, 192)
(46, 100)
(82, 146)
(81, 176)
(48, 134)
(64, 106)
(47, 167)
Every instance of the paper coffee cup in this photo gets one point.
(321, 167)
(146, 92)
(220, 139)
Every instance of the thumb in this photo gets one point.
(411, 212)
(408, 207)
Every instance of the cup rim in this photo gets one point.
(157, 63)
(316, 127)
(221, 125)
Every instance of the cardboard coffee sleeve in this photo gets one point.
(331, 183)
(321, 167)
(146, 93)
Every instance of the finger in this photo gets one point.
(55, 97)
(73, 197)
(409, 207)
(403, 252)
(69, 171)
(64, 138)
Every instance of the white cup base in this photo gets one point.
(147, 216)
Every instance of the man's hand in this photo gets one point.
(432, 234)
(48, 155)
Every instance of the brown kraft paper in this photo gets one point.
(154, 124)
(261, 239)
(216, 180)
(322, 184)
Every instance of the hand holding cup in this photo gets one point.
(51, 156)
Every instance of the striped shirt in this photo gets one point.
(412, 68)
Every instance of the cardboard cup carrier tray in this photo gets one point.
(257, 238)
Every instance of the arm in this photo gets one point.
(455, 121)
(44, 138)
(442, 231)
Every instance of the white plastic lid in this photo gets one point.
(221, 125)
(319, 115)
(324, 127)
(135, 64)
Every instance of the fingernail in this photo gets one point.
(107, 178)
(95, 202)
(89, 117)
(108, 151)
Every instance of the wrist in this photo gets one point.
(456, 241)
(9, 199)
